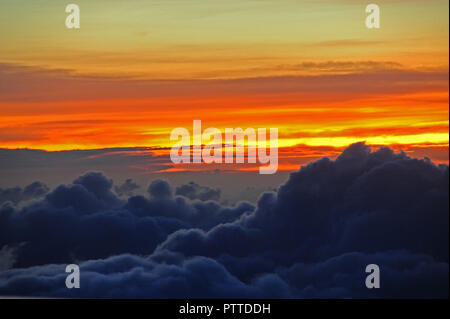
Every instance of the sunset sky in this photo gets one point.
(137, 69)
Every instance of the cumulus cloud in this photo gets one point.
(18, 194)
(140, 277)
(7, 257)
(160, 189)
(127, 188)
(128, 276)
(194, 191)
(363, 201)
(312, 238)
(86, 220)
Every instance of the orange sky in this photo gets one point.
(130, 81)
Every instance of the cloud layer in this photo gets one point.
(17, 194)
(312, 238)
(192, 190)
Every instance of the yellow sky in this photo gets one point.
(137, 69)
(220, 39)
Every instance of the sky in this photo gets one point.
(135, 70)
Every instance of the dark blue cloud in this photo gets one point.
(129, 276)
(127, 188)
(85, 220)
(160, 189)
(312, 238)
(364, 201)
(97, 184)
(17, 194)
(193, 191)
(405, 275)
